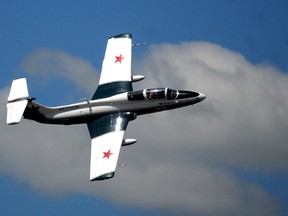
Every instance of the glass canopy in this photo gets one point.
(153, 94)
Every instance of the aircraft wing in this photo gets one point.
(107, 131)
(107, 134)
(116, 68)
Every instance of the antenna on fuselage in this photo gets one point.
(88, 102)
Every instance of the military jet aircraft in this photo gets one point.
(108, 113)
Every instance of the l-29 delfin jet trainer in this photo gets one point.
(108, 113)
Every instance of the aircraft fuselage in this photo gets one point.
(137, 102)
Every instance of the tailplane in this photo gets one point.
(17, 101)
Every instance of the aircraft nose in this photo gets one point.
(201, 96)
(187, 94)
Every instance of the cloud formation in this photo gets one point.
(48, 62)
(185, 161)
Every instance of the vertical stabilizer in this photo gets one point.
(17, 101)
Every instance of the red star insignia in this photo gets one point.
(119, 58)
(107, 154)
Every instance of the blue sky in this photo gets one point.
(256, 30)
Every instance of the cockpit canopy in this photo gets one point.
(153, 94)
(161, 93)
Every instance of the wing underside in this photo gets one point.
(105, 151)
(107, 134)
(116, 68)
(107, 131)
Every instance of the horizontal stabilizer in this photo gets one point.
(17, 101)
(15, 111)
(18, 90)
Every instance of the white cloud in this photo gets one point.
(185, 159)
(48, 62)
(244, 114)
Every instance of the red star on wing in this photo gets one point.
(119, 58)
(107, 154)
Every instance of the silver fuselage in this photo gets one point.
(139, 102)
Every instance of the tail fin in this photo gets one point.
(17, 101)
